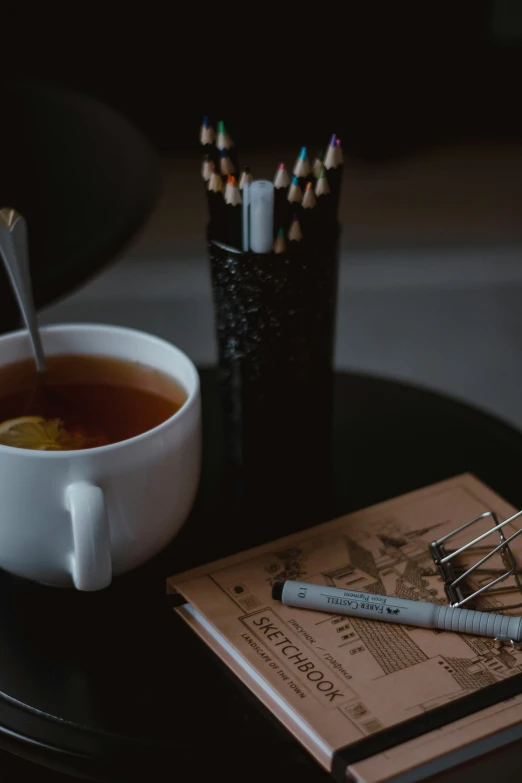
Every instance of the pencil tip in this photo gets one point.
(221, 127)
(205, 121)
(338, 142)
(280, 233)
(308, 186)
(295, 180)
(224, 153)
(281, 166)
(333, 140)
(302, 154)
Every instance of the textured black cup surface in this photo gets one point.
(275, 324)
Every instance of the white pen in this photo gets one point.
(398, 610)
(261, 202)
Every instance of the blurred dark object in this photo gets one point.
(81, 175)
(506, 22)
(393, 78)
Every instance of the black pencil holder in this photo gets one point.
(275, 320)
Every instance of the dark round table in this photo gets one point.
(114, 686)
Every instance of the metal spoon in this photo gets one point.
(15, 255)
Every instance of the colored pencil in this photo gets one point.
(206, 134)
(207, 138)
(281, 205)
(305, 205)
(334, 170)
(207, 167)
(295, 194)
(246, 178)
(224, 142)
(318, 164)
(280, 242)
(307, 212)
(302, 166)
(295, 234)
(226, 165)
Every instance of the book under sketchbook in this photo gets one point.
(370, 701)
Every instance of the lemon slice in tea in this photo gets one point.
(35, 432)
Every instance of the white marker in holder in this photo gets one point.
(261, 199)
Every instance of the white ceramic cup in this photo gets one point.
(78, 518)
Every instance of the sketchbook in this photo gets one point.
(371, 701)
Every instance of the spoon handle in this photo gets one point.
(14, 251)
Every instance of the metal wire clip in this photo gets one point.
(457, 575)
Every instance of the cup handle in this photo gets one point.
(92, 565)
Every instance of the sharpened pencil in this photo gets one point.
(295, 234)
(334, 170)
(295, 194)
(207, 138)
(307, 212)
(207, 167)
(318, 164)
(246, 178)
(224, 142)
(226, 166)
(206, 134)
(281, 179)
(280, 242)
(302, 166)
(322, 187)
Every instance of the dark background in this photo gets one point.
(389, 78)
